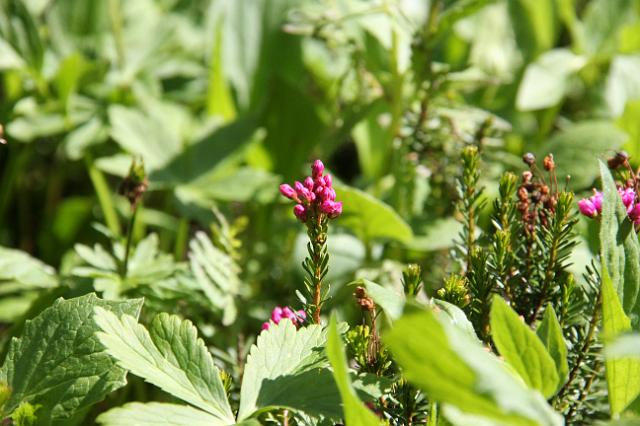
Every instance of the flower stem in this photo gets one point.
(132, 220)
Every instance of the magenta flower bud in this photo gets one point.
(628, 196)
(329, 194)
(596, 199)
(587, 207)
(327, 180)
(337, 209)
(299, 187)
(301, 315)
(317, 168)
(288, 313)
(331, 208)
(287, 191)
(319, 190)
(308, 183)
(265, 325)
(634, 213)
(276, 314)
(300, 212)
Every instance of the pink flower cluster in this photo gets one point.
(278, 313)
(314, 196)
(592, 206)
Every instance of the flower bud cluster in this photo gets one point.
(314, 196)
(592, 206)
(279, 313)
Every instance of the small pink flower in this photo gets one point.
(634, 214)
(317, 168)
(287, 191)
(308, 183)
(276, 314)
(628, 196)
(332, 208)
(265, 325)
(596, 199)
(327, 180)
(300, 212)
(587, 208)
(329, 194)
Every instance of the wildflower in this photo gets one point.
(591, 207)
(315, 196)
(279, 313)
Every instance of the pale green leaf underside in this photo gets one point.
(623, 374)
(619, 246)
(522, 349)
(59, 363)
(453, 368)
(157, 414)
(279, 368)
(169, 356)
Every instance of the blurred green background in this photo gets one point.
(225, 99)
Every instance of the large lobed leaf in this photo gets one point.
(455, 369)
(157, 414)
(280, 367)
(59, 364)
(522, 349)
(170, 356)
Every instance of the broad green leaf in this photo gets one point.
(535, 23)
(392, 303)
(455, 315)
(370, 218)
(145, 136)
(279, 367)
(216, 273)
(623, 374)
(522, 349)
(619, 246)
(58, 362)
(454, 368)
(570, 150)
(19, 28)
(623, 83)
(170, 355)
(355, 412)
(219, 100)
(157, 414)
(373, 140)
(550, 332)
(545, 81)
(629, 121)
(603, 20)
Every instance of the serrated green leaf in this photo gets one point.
(157, 414)
(623, 374)
(355, 412)
(550, 332)
(453, 368)
(59, 364)
(522, 349)
(170, 355)
(278, 366)
(370, 218)
(619, 245)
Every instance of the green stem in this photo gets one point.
(433, 414)
(132, 222)
(104, 197)
(182, 235)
